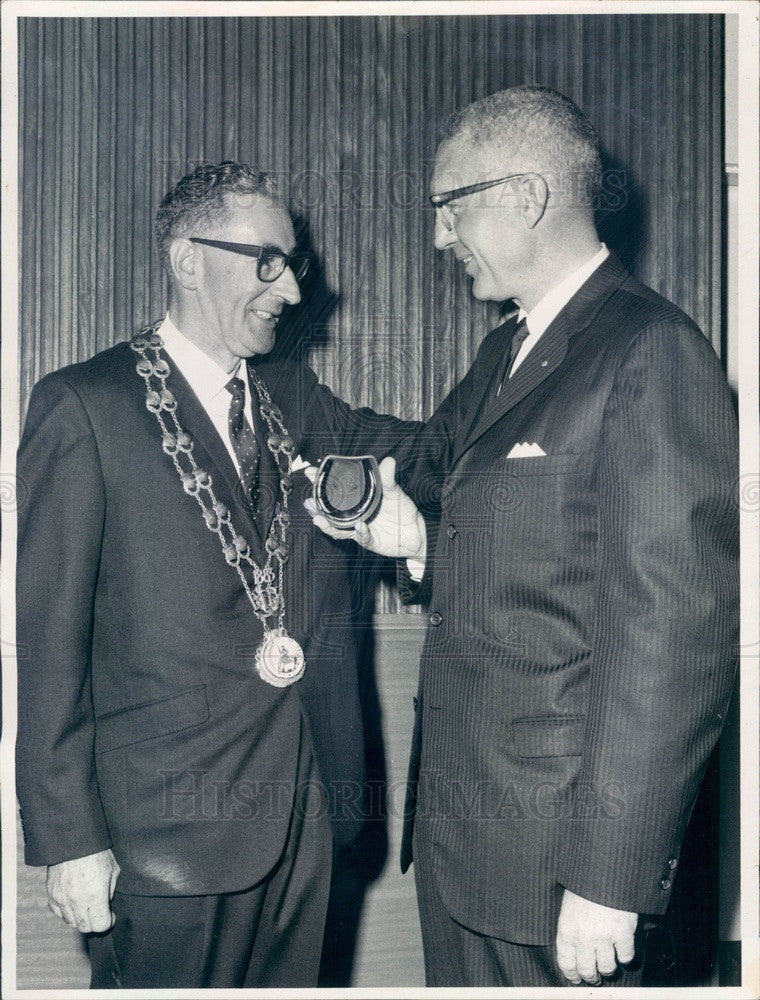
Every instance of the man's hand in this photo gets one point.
(397, 529)
(79, 891)
(589, 936)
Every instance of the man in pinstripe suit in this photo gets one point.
(571, 505)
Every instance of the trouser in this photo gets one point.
(269, 935)
(458, 956)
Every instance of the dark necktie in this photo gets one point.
(244, 443)
(518, 339)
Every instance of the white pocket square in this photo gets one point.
(526, 450)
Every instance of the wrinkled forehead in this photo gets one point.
(254, 218)
(458, 162)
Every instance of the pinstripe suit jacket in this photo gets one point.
(582, 643)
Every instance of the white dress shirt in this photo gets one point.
(207, 380)
(555, 300)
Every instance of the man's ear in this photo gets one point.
(535, 194)
(186, 263)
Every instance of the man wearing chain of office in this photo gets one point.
(189, 738)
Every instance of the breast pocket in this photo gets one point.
(548, 465)
(552, 514)
(151, 719)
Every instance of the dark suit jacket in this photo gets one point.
(142, 721)
(582, 643)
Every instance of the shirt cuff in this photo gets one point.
(416, 569)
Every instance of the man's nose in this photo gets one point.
(443, 238)
(287, 287)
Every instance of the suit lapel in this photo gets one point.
(545, 358)
(198, 424)
(492, 363)
(547, 355)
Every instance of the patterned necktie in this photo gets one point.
(518, 339)
(244, 443)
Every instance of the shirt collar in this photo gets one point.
(555, 300)
(206, 378)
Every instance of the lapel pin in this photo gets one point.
(544, 363)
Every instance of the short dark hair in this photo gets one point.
(535, 127)
(199, 198)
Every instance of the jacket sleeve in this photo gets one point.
(322, 422)
(665, 636)
(59, 540)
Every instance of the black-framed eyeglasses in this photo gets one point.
(271, 260)
(442, 199)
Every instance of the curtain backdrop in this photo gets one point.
(345, 111)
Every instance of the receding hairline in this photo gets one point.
(208, 197)
(496, 147)
(241, 201)
(527, 129)
(227, 208)
(465, 142)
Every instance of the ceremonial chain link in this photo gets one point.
(267, 596)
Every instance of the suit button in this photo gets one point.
(435, 618)
(673, 864)
(451, 531)
(665, 884)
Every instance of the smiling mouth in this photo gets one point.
(465, 260)
(266, 315)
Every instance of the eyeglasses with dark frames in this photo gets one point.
(271, 260)
(442, 199)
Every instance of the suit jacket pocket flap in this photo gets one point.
(151, 719)
(553, 736)
(548, 465)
